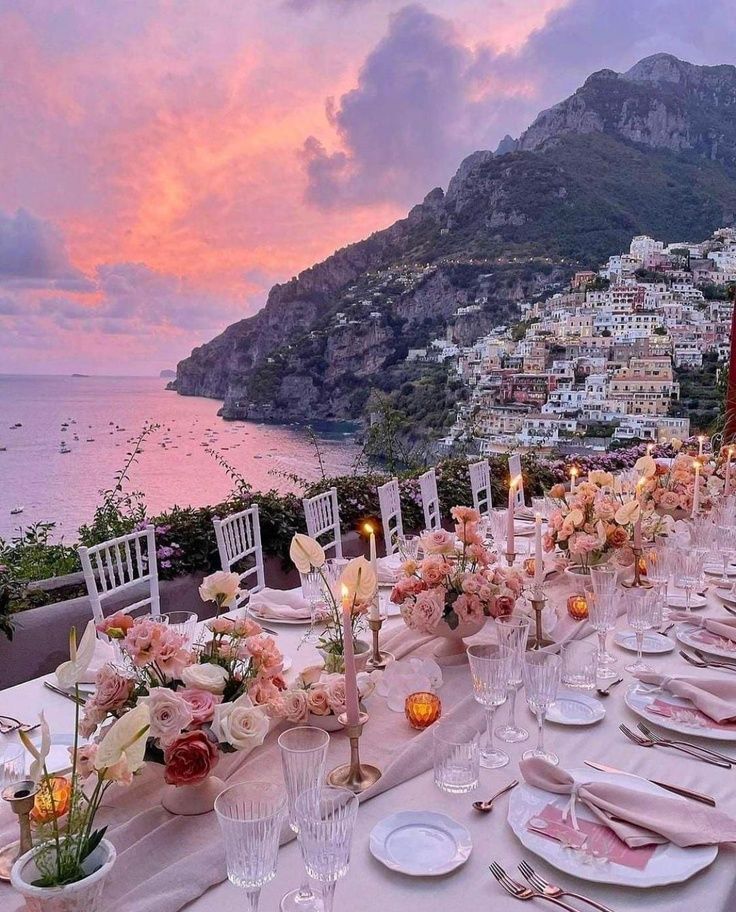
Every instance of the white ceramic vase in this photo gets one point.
(451, 649)
(334, 663)
(82, 896)
(192, 800)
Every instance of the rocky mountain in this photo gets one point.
(652, 150)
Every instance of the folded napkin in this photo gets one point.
(637, 818)
(389, 568)
(715, 697)
(723, 627)
(281, 604)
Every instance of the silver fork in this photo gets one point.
(653, 736)
(549, 889)
(514, 888)
(690, 752)
(710, 660)
(700, 662)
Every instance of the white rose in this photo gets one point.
(221, 587)
(240, 724)
(207, 676)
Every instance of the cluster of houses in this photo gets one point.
(604, 353)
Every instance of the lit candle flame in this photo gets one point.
(368, 528)
(574, 471)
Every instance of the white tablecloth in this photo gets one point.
(369, 886)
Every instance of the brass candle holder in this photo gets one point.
(355, 775)
(510, 558)
(377, 659)
(637, 582)
(538, 640)
(21, 797)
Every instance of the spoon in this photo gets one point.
(604, 691)
(486, 807)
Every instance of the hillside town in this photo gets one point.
(599, 359)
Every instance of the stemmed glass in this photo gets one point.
(303, 758)
(250, 816)
(641, 606)
(409, 547)
(603, 580)
(489, 669)
(497, 519)
(602, 612)
(542, 672)
(184, 623)
(725, 545)
(312, 591)
(326, 819)
(513, 632)
(689, 572)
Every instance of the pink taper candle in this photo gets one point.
(727, 481)
(351, 679)
(510, 518)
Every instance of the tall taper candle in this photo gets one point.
(374, 614)
(696, 491)
(510, 518)
(700, 445)
(351, 679)
(573, 478)
(637, 525)
(727, 480)
(538, 558)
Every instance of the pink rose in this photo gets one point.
(439, 542)
(336, 692)
(113, 690)
(172, 655)
(189, 758)
(310, 675)
(669, 500)
(319, 700)
(434, 569)
(426, 612)
(201, 702)
(296, 706)
(263, 691)
(246, 627)
(406, 586)
(170, 715)
(468, 608)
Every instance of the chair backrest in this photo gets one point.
(239, 538)
(118, 566)
(480, 485)
(515, 472)
(323, 518)
(430, 501)
(390, 503)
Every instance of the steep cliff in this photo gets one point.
(650, 151)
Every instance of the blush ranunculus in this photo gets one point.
(189, 758)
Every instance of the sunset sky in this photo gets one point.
(164, 162)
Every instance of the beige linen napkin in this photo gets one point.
(723, 627)
(715, 697)
(389, 568)
(638, 818)
(281, 604)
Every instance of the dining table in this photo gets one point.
(169, 874)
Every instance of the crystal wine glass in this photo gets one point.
(312, 591)
(303, 757)
(184, 623)
(641, 616)
(497, 519)
(689, 572)
(602, 612)
(603, 579)
(489, 669)
(725, 545)
(250, 816)
(513, 633)
(326, 819)
(409, 547)
(542, 672)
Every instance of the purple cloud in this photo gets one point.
(32, 249)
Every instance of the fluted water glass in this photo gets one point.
(542, 672)
(513, 633)
(641, 615)
(603, 579)
(303, 758)
(326, 819)
(250, 816)
(489, 671)
(602, 613)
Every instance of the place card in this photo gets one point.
(687, 715)
(712, 639)
(593, 839)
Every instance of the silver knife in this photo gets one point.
(63, 693)
(677, 789)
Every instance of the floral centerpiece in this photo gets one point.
(317, 697)
(456, 585)
(71, 858)
(672, 488)
(357, 580)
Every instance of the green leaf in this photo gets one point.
(93, 840)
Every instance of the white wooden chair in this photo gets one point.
(430, 501)
(480, 485)
(515, 472)
(121, 565)
(389, 501)
(239, 538)
(323, 518)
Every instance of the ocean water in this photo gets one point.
(103, 415)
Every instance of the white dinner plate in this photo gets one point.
(668, 864)
(523, 527)
(680, 601)
(654, 643)
(574, 708)
(726, 595)
(640, 697)
(716, 569)
(687, 634)
(420, 843)
(269, 621)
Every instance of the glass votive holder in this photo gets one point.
(579, 662)
(422, 709)
(577, 607)
(456, 756)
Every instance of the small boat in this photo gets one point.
(16, 510)
(64, 448)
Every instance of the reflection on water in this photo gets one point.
(75, 432)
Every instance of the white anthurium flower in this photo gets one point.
(600, 529)
(40, 752)
(306, 553)
(628, 512)
(125, 740)
(646, 466)
(359, 579)
(70, 673)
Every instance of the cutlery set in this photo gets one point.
(539, 888)
(700, 660)
(684, 747)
